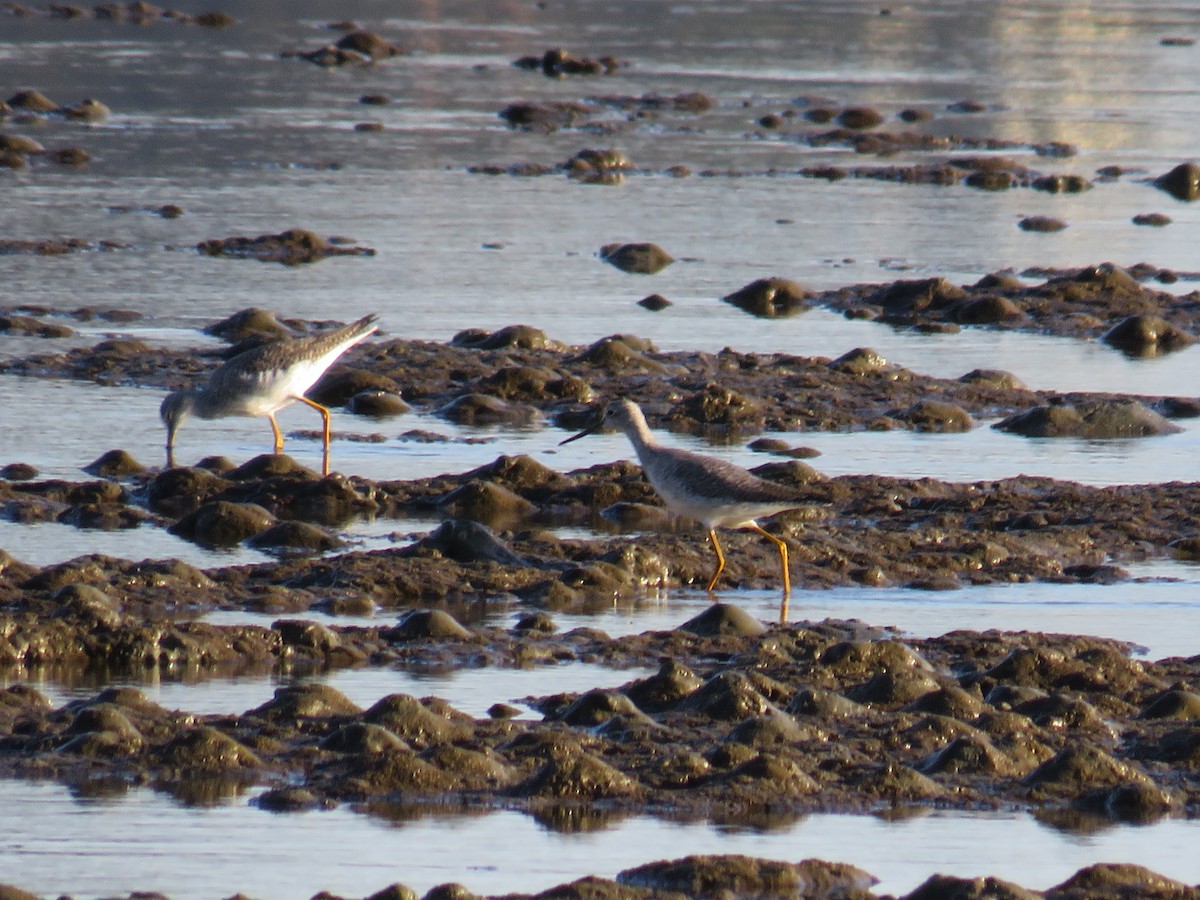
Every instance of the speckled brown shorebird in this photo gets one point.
(713, 491)
(263, 380)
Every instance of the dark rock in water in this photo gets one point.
(306, 701)
(1185, 548)
(362, 737)
(27, 325)
(465, 541)
(723, 618)
(988, 310)
(296, 536)
(579, 776)
(936, 416)
(1182, 182)
(88, 110)
(329, 56)
(292, 247)
(997, 377)
(654, 302)
(338, 386)
(1178, 407)
(18, 472)
(289, 799)
(32, 101)
(860, 118)
(524, 337)
(248, 323)
(412, 721)
(1147, 335)
(177, 492)
(369, 44)
(722, 407)
(918, 296)
(1041, 223)
(601, 167)
(1000, 281)
(485, 501)
(544, 117)
(1079, 768)
(950, 887)
(428, 623)
(641, 259)
(18, 143)
(636, 516)
(860, 361)
(206, 749)
(769, 298)
(1152, 220)
(1113, 880)
(483, 409)
(710, 877)
(1095, 419)
(72, 156)
(377, 404)
(223, 524)
(557, 63)
(214, 20)
(114, 464)
(1062, 184)
(622, 353)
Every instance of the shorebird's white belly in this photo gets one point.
(279, 389)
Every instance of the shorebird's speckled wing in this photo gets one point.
(248, 375)
(720, 480)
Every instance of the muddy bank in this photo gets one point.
(743, 722)
(849, 530)
(518, 374)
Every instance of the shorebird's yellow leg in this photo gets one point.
(712, 536)
(783, 556)
(325, 432)
(278, 433)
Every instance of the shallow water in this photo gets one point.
(471, 691)
(249, 143)
(81, 846)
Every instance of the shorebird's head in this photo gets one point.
(175, 408)
(621, 414)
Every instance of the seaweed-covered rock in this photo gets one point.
(1095, 419)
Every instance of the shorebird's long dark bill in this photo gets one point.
(591, 428)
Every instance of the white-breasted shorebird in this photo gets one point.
(713, 491)
(263, 380)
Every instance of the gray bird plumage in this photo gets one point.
(263, 380)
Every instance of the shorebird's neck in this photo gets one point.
(638, 431)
